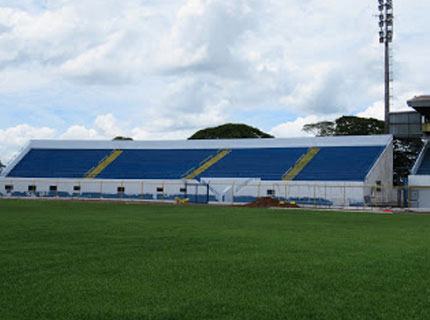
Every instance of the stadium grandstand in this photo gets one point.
(322, 171)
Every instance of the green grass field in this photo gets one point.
(64, 260)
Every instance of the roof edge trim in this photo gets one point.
(340, 141)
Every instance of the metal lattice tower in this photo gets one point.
(386, 32)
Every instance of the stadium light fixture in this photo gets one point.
(386, 32)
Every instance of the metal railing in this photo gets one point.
(306, 194)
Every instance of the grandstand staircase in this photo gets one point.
(94, 172)
(301, 164)
(205, 165)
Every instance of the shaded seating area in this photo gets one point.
(57, 163)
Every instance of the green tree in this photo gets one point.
(230, 131)
(120, 138)
(356, 126)
(346, 126)
(406, 151)
(320, 129)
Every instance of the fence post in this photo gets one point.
(258, 189)
(286, 197)
(409, 196)
(315, 196)
(344, 195)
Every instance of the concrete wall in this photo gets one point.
(380, 179)
(312, 192)
(419, 191)
(419, 185)
(220, 190)
(94, 188)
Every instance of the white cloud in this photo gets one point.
(107, 125)
(78, 132)
(294, 128)
(163, 69)
(376, 110)
(399, 103)
(14, 139)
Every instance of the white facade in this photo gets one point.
(419, 185)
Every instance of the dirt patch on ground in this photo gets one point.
(267, 202)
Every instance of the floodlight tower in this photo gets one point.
(386, 33)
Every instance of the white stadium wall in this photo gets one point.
(419, 184)
(312, 193)
(419, 191)
(379, 180)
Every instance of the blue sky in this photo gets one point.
(150, 69)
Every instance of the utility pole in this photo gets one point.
(386, 32)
